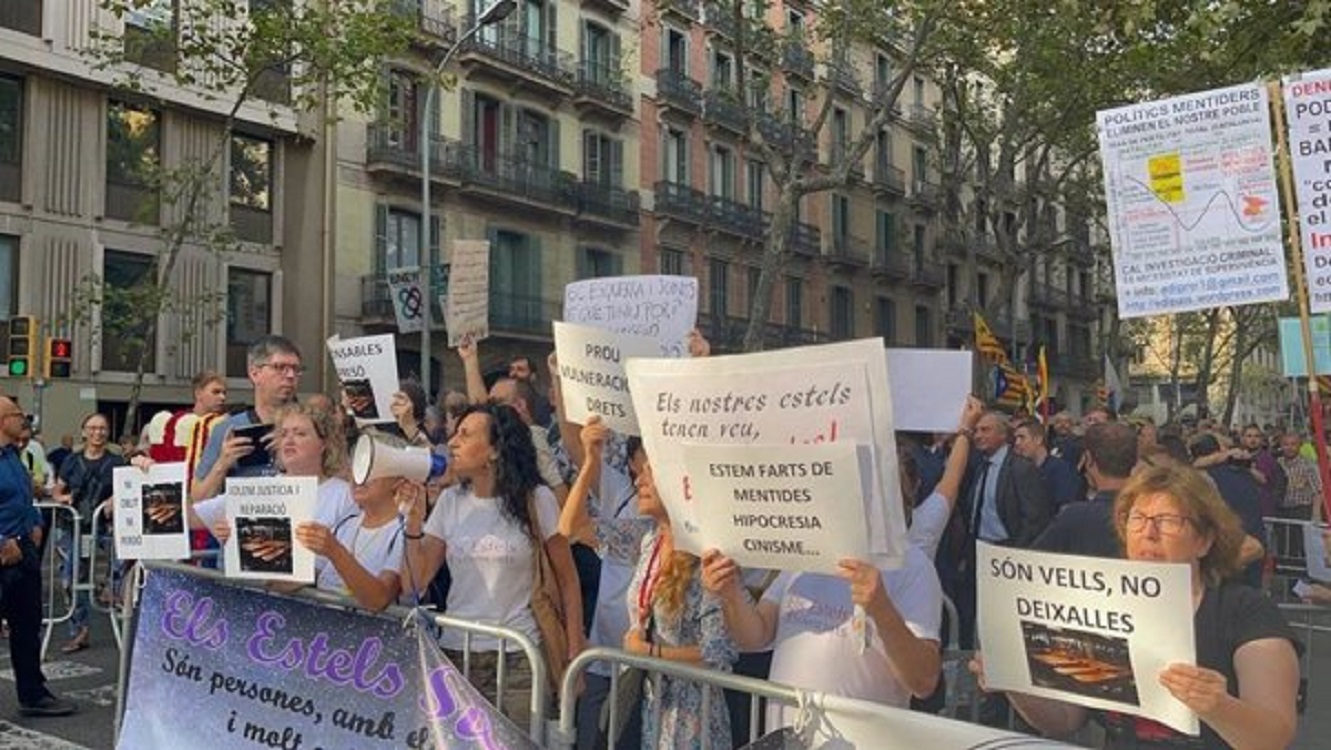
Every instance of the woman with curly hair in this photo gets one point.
(484, 527)
(1244, 684)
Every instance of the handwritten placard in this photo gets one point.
(806, 395)
(1091, 631)
(467, 307)
(263, 513)
(662, 307)
(779, 507)
(591, 374)
(367, 369)
(150, 516)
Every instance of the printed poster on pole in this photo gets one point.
(1308, 119)
(367, 370)
(1193, 209)
(404, 284)
(1086, 630)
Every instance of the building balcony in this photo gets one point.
(786, 135)
(392, 148)
(681, 202)
(796, 59)
(986, 248)
(689, 10)
(739, 219)
(605, 204)
(376, 299)
(806, 240)
(436, 26)
(508, 178)
(882, 90)
(889, 264)
(523, 315)
(512, 56)
(613, 7)
(600, 86)
(920, 118)
(847, 252)
(676, 90)
(889, 180)
(723, 109)
(844, 77)
(924, 194)
(1048, 297)
(959, 320)
(1083, 307)
(721, 19)
(726, 333)
(927, 276)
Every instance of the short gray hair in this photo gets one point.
(265, 347)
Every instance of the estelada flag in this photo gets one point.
(986, 343)
(1010, 385)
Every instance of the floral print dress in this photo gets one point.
(673, 718)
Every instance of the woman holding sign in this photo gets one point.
(1244, 684)
(485, 527)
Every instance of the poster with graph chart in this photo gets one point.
(1308, 112)
(1194, 215)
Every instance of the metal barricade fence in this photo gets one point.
(889, 725)
(62, 522)
(540, 700)
(1289, 559)
(1308, 620)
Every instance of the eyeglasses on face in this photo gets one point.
(285, 368)
(1169, 524)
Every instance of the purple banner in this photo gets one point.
(222, 666)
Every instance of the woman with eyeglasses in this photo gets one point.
(1245, 682)
(485, 527)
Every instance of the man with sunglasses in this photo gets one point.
(235, 449)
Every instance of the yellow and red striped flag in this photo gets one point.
(986, 343)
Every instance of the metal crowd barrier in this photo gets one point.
(84, 580)
(895, 727)
(540, 701)
(1310, 619)
(52, 555)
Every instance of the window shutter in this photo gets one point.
(617, 164)
(591, 161)
(468, 117)
(552, 134)
(584, 263)
(380, 260)
(613, 66)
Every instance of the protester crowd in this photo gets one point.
(557, 531)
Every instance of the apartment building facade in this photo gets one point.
(74, 206)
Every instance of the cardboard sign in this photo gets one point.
(1086, 630)
(467, 306)
(929, 388)
(1194, 214)
(662, 307)
(404, 285)
(779, 507)
(241, 668)
(1307, 103)
(150, 518)
(263, 513)
(367, 370)
(591, 374)
(800, 396)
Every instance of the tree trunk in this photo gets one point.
(774, 257)
(1175, 362)
(1235, 372)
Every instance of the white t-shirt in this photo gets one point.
(928, 522)
(490, 559)
(376, 550)
(817, 646)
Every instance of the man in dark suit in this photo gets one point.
(1007, 503)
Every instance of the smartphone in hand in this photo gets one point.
(260, 455)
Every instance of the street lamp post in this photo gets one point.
(492, 15)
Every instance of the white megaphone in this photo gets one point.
(373, 459)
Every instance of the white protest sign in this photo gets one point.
(150, 515)
(1315, 549)
(263, 513)
(799, 396)
(367, 368)
(1091, 631)
(467, 306)
(780, 507)
(404, 284)
(662, 307)
(1307, 105)
(591, 374)
(929, 388)
(1190, 191)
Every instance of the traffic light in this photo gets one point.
(22, 346)
(59, 358)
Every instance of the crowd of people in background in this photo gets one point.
(526, 488)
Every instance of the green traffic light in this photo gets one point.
(18, 368)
